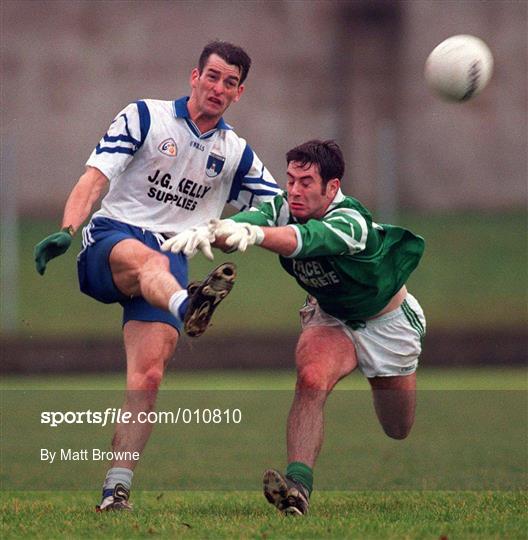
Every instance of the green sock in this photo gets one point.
(300, 472)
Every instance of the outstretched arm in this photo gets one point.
(280, 240)
(262, 226)
(230, 234)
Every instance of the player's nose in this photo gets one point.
(294, 190)
(218, 87)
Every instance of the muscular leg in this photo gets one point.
(395, 403)
(140, 271)
(324, 355)
(149, 346)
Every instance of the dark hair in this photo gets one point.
(325, 154)
(232, 54)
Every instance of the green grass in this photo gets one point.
(461, 473)
(365, 515)
(474, 271)
(482, 378)
(473, 275)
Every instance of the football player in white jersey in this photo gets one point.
(169, 166)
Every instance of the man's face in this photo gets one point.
(216, 87)
(307, 198)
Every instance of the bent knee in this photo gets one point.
(313, 377)
(146, 380)
(155, 261)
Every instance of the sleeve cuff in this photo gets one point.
(297, 250)
(105, 168)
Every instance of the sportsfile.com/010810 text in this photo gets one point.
(112, 415)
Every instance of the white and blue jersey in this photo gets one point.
(165, 176)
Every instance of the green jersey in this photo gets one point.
(350, 264)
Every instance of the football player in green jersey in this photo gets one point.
(358, 313)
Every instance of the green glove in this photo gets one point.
(52, 246)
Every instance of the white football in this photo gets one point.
(459, 68)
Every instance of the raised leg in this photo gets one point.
(138, 270)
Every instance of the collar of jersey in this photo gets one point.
(339, 198)
(181, 111)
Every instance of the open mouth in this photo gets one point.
(215, 101)
(296, 206)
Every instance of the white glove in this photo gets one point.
(239, 235)
(191, 241)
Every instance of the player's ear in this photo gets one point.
(240, 91)
(195, 75)
(333, 187)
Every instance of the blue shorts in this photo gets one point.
(95, 275)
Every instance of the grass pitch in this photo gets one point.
(362, 515)
(468, 444)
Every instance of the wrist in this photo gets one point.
(259, 234)
(69, 229)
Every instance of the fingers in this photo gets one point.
(168, 244)
(40, 264)
(238, 236)
(244, 241)
(175, 244)
(238, 240)
(223, 227)
(52, 246)
(214, 224)
(202, 245)
(190, 242)
(194, 244)
(233, 239)
(207, 251)
(179, 242)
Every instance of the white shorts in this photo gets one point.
(387, 346)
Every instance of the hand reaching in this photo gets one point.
(191, 241)
(238, 235)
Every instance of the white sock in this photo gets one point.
(175, 303)
(118, 475)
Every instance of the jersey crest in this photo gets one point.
(168, 147)
(215, 164)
